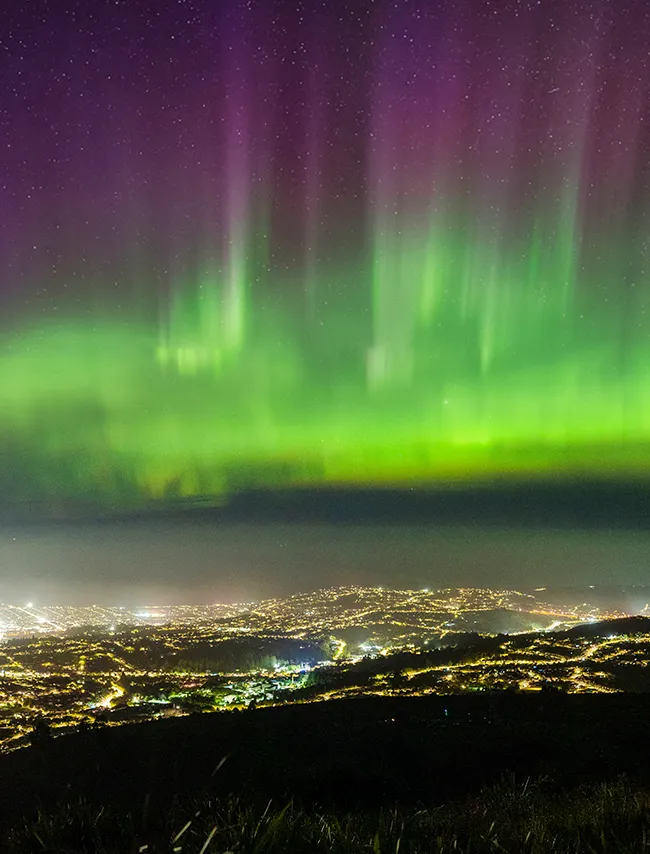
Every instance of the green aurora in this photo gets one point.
(254, 244)
(439, 358)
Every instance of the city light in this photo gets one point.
(65, 664)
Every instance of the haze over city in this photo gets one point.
(184, 562)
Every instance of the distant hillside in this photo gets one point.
(604, 628)
(605, 657)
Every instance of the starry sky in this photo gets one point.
(281, 243)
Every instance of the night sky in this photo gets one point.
(153, 563)
(344, 244)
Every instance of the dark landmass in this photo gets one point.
(635, 625)
(354, 754)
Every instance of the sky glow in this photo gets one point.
(268, 243)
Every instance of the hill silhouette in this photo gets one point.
(351, 754)
(623, 626)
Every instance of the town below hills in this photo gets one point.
(69, 669)
(365, 718)
(381, 612)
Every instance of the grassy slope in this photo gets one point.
(521, 818)
(350, 768)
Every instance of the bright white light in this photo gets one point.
(30, 604)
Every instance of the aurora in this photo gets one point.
(438, 274)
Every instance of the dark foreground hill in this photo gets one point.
(365, 753)
(526, 774)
